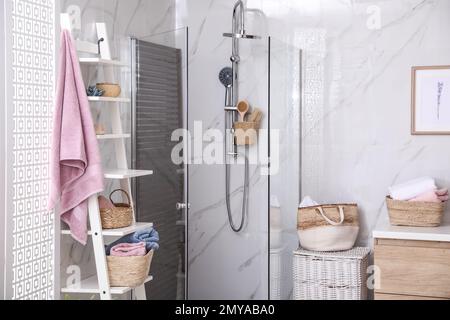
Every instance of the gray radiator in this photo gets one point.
(158, 112)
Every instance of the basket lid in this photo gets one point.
(355, 253)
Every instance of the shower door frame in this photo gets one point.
(3, 149)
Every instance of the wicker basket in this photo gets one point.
(120, 216)
(246, 133)
(415, 214)
(129, 271)
(110, 90)
(280, 274)
(331, 227)
(331, 275)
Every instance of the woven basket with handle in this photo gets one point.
(120, 216)
(325, 215)
(331, 227)
(129, 271)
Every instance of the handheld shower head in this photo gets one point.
(226, 78)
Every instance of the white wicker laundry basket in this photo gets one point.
(280, 273)
(331, 275)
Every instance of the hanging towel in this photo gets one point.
(129, 250)
(150, 236)
(412, 189)
(76, 170)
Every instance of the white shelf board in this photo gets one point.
(113, 136)
(386, 231)
(105, 62)
(119, 232)
(108, 99)
(126, 173)
(90, 285)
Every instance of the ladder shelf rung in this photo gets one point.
(118, 232)
(109, 99)
(121, 174)
(90, 285)
(104, 62)
(113, 136)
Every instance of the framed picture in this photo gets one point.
(431, 100)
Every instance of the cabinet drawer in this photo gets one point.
(386, 296)
(414, 268)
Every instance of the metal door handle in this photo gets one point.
(182, 206)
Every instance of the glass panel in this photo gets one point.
(224, 264)
(285, 124)
(160, 108)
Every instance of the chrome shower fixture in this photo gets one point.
(229, 77)
(226, 78)
(239, 25)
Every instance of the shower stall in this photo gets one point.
(223, 225)
(242, 217)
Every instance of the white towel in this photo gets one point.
(308, 202)
(412, 189)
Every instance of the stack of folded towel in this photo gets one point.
(136, 244)
(419, 190)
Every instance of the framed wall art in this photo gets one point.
(431, 100)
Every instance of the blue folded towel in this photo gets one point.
(149, 236)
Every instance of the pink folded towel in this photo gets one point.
(432, 196)
(76, 170)
(129, 250)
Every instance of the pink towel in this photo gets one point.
(76, 170)
(129, 250)
(432, 196)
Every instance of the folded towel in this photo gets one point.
(307, 202)
(75, 163)
(149, 236)
(429, 196)
(129, 250)
(432, 196)
(412, 189)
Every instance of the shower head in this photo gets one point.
(226, 77)
(242, 35)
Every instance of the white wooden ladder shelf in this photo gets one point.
(99, 284)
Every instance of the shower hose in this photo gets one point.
(245, 197)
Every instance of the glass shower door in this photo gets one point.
(285, 162)
(159, 119)
(224, 264)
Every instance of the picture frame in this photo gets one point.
(430, 100)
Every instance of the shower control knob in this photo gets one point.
(182, 206)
